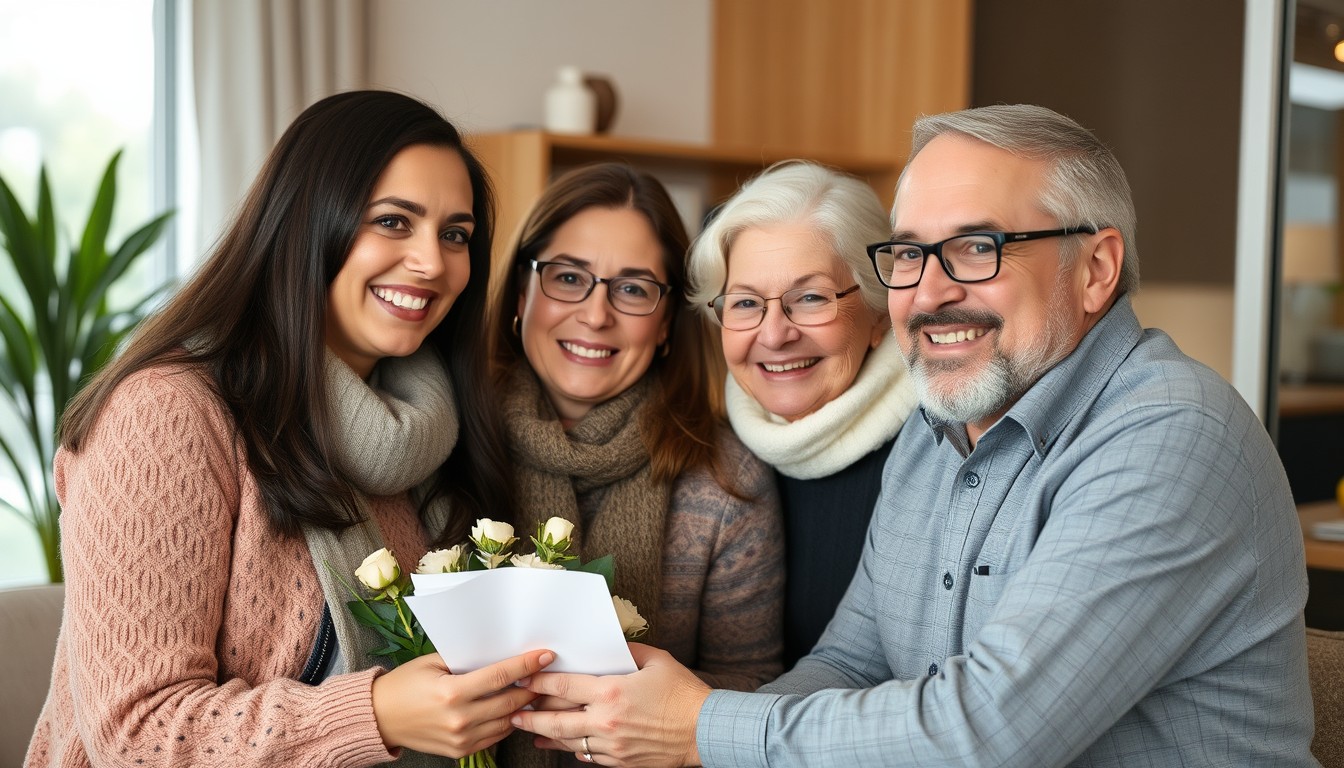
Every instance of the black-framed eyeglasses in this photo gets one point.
(971, 258)
(803, 306)
(567, 282)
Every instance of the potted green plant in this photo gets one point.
(55, 332)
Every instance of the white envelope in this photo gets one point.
(476, 618)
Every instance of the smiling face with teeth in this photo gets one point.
(409, 261)
(975, 348)
(586, 353)
(793, 370)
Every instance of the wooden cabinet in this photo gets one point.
(811, 76)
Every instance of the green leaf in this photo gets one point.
(20, 359)
(363, 614)
(88, 262)
(131, 249)
(21, 243)
(28, 491)
(386, 611)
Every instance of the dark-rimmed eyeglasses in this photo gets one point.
(566, 282)
(802, 306)
(969, 258)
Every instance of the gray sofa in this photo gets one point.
(30, 618)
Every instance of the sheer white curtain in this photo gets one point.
(258, 64)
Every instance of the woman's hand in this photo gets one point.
(644, 719)
(423, 706)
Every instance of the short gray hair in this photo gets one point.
(840, 208)
(1085, 184)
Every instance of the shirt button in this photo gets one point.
(933, 670)
(947, 580)
(971, 480)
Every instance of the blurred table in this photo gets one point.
(1328, 555)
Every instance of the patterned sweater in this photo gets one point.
(722, 601)
(187, 621)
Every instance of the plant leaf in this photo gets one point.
(18, 368)
(126, 255)
(88, 261)
(20, 241)
(360, 610)
(385, 611)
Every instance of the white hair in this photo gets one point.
(843, 211)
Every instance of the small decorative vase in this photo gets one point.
(571, 107)
(607, 101)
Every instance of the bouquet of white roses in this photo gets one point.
(494, 541)
(387, 613)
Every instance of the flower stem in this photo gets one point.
(402, 616)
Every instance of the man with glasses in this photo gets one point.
(1086, 554)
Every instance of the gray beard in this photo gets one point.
(975, 397)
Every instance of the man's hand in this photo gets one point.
(643, 720)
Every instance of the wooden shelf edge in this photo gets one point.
(651, 150)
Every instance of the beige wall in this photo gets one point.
(487, 65)
(1197, 317)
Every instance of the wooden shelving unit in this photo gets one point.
(522, 162)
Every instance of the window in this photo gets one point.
(78, 81)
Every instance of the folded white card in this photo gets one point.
(476, 618)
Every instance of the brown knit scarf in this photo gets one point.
(598, 477)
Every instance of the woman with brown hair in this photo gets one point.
(318, 390)
(606, 406)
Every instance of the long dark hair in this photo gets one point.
(253, 316)
(680, 431)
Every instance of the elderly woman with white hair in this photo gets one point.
(817, 386)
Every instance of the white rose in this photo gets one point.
(557, 529)
(379, 570)
(441, 561)
(486, 529)
(632, 624)
(532, 561)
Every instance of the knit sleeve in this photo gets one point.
(150, 503)
(740, 644)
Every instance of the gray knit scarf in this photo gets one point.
(392, 434)
(603, 462)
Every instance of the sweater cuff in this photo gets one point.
(349, 724)
(731, 728)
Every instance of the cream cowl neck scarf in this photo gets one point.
(839, 433)
(392, 433)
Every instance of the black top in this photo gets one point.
(825, 525)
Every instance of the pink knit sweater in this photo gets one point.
(187, 621)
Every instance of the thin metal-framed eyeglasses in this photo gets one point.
(570, 283)
(970, 258)
(740, 311)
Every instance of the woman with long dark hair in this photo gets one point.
(318, 390)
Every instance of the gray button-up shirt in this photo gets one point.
(1113, 577)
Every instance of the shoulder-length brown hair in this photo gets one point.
(253, 316)
(681, 430)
